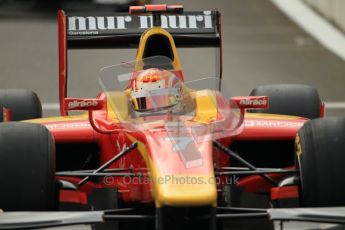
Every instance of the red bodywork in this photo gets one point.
(81, 131)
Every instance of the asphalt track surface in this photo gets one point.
(260, 46)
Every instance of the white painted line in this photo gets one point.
(329, 105)
(335, 105)
(50, 106)
(318, 27)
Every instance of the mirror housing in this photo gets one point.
(73, 104)
(90, 105)
(251, 102)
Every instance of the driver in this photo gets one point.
(155, 90)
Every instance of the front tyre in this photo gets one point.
(320, 150)
(27, 168)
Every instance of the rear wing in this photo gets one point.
(122, 30)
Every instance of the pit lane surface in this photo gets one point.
(260, 46)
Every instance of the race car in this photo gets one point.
(157, 151)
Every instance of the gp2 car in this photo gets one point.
(158, 151)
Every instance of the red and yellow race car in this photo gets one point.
(159, 151)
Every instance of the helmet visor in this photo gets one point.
(154, 100)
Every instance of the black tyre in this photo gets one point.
(320, 148)
(27, 167)
(290, 99)
(24, 104)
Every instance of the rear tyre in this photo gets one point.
(320, 148)
(290, 99)
(24, 104)
(27, 168)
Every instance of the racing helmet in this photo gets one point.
(155, 90)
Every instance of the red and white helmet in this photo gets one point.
(154, 89)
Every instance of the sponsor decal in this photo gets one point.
(61, 126)
(78, 104)
(277, 124)
(93, 25)
(253, 102)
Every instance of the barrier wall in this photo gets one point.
(332, 10)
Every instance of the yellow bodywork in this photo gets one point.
(143, 40)
(117, 105)
(166, 191)
(206, 106)
(83, 116)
